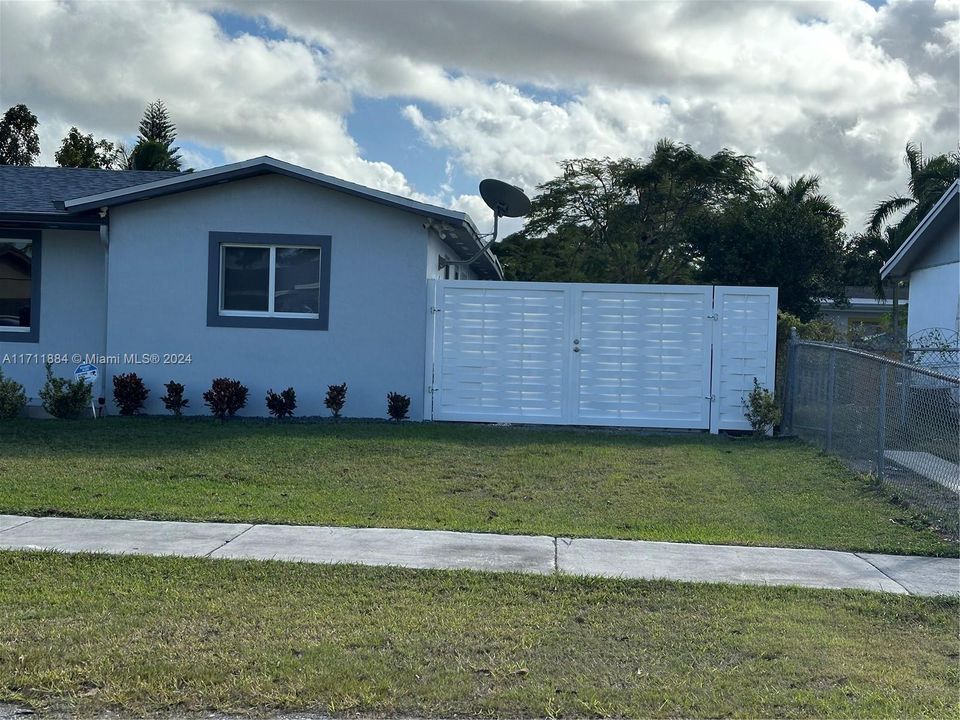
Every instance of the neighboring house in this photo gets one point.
(261, 271)
(863, 313)
(930, 259)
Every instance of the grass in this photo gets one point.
(688, 488)
(88, 634)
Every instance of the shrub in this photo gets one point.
(129, 393)
(63, 398)
(12, 397)
(174, 400)
(282, 404)
(397, 406)
(225, 397)
(336, 398)
(761, 409)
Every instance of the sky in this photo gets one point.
(425, 99)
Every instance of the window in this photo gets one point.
(280, 281)
(19, 286)
(270, 281)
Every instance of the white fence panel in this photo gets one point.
(644, 357)
(500, 351)
(745, 347)
(668, 356)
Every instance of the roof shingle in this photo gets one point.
(37, 189)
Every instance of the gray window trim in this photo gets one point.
(35, 274)
(215, 319)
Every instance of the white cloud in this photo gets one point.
(509, 89)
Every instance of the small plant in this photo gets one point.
(282, 404)
(397, 406)
(336, 398)
(225, 397)
(174, 400)
(12, 397)
(63, 398)
(761, 409)
(129, 393)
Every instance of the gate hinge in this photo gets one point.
(715, 316)
(436, 309)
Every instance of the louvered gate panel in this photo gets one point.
(644, 357)
(567, 353)
(501, 352)
(745, 347)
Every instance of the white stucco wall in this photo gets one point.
(934, 298)
(71, 309)
(376, 337)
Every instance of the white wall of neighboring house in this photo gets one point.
(934, 298)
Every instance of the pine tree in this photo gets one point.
(154, 149)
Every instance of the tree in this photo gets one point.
(19, 143)
(154, 149)
(624, 220)
(790, 237)
(895, 218)
(83, 151)
(928, 181)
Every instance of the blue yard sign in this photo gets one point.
(86, 372)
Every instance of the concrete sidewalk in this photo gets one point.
(479, 551)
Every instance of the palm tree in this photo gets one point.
(928, 181)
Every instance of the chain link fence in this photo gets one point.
(897, 421)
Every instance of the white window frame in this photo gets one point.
(272, 282)
(6, 240)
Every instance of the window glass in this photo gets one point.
(246, 278)
(297, 280)
(16, 283)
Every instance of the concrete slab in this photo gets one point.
(720, 563)
(407, 548)
(134, 537)
(928, 465)
(920, 575)
(12, 521)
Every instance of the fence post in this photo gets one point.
(790, 381)
(882, 422)
(831, 384)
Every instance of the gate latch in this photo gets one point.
(715, 316)
(711, 398)
(436, 309)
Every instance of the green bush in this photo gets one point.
(761, 409)
(174, 401)
(63, 398)
(12, 397)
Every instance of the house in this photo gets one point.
(864, 313)
(930, 259)
(260, 270)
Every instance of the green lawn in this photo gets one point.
(88, 634)
(567, 482)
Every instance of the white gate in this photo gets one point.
(665, 356)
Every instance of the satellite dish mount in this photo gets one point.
(506, 201)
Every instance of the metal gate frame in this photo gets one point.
(720, 352)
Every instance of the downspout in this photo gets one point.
(105, 243)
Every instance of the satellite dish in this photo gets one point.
(504, 199)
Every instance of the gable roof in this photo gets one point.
(913, 247)
(75, 194)
(467, 242)
(43, 189)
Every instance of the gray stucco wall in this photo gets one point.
(943, 249)
(71, 309)
(437, 248)
(376, 337)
